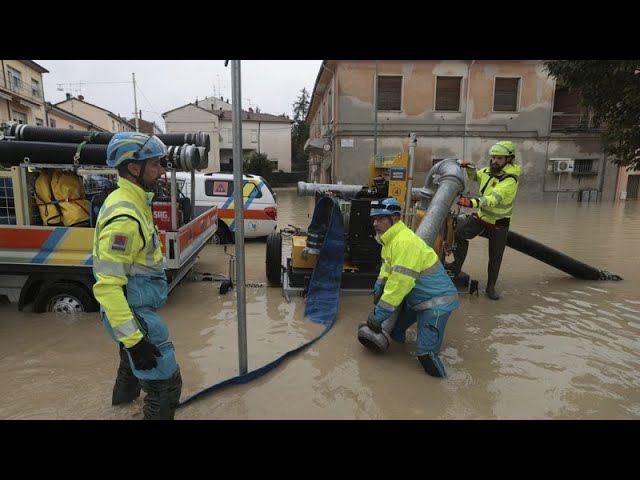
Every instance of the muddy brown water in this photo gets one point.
(553, 348)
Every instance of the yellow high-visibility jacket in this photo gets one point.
(127, 260)
(411, 270)
(497, 193)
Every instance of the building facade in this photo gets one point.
(261, 132)
(21, 93)
(98, 116)
(458, 109)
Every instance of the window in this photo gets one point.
(52, 123)
(254, 136)
(35, 88)
(389, 94)
(274, 165)
(39, 122)
(505, 98)
(584, 166)
(19, 117)
(448, 94)
(15, 79)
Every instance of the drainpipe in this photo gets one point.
(375, 115)
(333, 129)
(466, 112)
(413, 140)
(444, 181)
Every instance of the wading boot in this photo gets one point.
(432, 365)
(491, 292)
(162, 397)
(127, 387)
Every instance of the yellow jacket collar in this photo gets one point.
(138, 193)
(387, 236)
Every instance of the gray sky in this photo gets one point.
(162, 85)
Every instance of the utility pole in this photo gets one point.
(135, 102)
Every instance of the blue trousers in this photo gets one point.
(431, 325)
(155, 328)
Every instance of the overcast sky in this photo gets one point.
(162, 85)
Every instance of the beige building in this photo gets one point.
(59, 118)
(98, 116)
(192, 118)
(21, 93)
(457, 108)
(261, 132)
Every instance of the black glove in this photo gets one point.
(144, 355)
(374, 326)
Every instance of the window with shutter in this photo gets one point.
(505, 98)
(389, 95)
(448, 94)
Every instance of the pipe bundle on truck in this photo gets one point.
(51, 188)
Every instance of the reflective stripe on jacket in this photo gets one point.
(127, 252)
(412, 271)
(497, 192)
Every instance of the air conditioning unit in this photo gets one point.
(562, 165)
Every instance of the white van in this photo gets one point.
(260, 207)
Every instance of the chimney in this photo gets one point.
(81, 97)
(68, 96)
(221, 98)
(196, 101)
(257, 110)
(250, 110)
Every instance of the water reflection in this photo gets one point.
(552, 347)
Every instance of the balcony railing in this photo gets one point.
(579, 122)
(21, 88)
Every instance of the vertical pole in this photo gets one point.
(375, 115)
(135, 102)
(413, 140)
(238, 200)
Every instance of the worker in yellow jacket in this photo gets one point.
(498, 187)
(413, 285)
(130, 279)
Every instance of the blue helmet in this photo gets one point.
(126, 146)
(387, 206)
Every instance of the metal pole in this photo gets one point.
(375, 115)
(413, 140)
(135, 102)
(238, 200)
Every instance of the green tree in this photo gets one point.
(258, 164)
(611, 88)
(299, 131)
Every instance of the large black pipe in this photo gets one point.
(14, 153)
(30, 133)
(556, 259)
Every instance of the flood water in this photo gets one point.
(553, 347)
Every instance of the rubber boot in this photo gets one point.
(459, 256)
(432, 365)
(491, 292)
(163, 397)
(127, 386)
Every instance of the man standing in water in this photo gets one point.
(498, 187)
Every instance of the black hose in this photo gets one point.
(30, 133)
(14, 153)
(557, 259)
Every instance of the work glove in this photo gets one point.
(467, 164)
(378, 288)
(467, 202)
(377, 317)
(143, 355)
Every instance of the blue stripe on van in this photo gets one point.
(250, 198)
(50, 244)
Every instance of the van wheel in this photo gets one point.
(65, 297)
(222, 235)
(274, 259)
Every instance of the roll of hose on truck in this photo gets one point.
(216, 189)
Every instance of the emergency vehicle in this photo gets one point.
(216, 189)
(51, 265)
